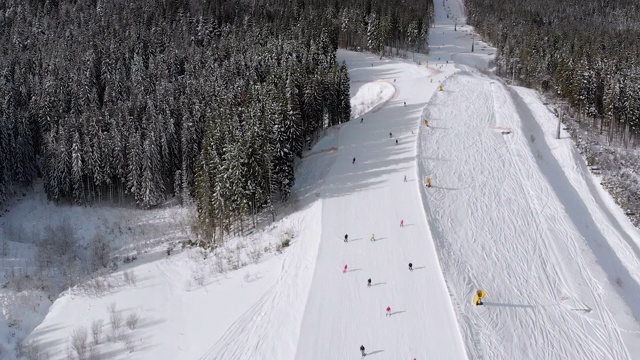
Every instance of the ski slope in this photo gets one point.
(512, 211)
(370, 197)
(507, 219)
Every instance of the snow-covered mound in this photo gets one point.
(370, 97)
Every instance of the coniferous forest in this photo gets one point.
(205, 101)
(588, 53)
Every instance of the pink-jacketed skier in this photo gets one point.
(388, 310)
(401, 223)
(345, 268)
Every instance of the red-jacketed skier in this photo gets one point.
(345, 268)
(401, 223)
(388, 310)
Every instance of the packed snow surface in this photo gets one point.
(512, 211)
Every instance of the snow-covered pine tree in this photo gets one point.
(4, 155)
(234, 175)
(76, 170)
(203, 193)
(373, 33)
(151, 186)
(293, 118)
(344, 97)
(134, 164)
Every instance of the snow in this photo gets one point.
(527, 237)
(370, 97)
(512, 211)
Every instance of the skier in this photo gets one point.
(388, 310)
(390, 135)
(410, 267)
(401, 223)
(361, 120)
(362, 351)
(345, 268)
(373, 238)
(346, 237)
(354, 161)
(428, 182)
(369, 282)
(405, 178)
(396, 141)
(405, 103)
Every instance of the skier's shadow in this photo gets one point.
(380, 283)
(354, 270)
(418, 268)
(397, 312)
(374, 352)
(357, 239)
(405, 225)
(382, 238)
(522, 306)
(446, 188)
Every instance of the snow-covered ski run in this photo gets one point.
(511, 210)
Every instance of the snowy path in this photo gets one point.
(507, 220)
(370, 197)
